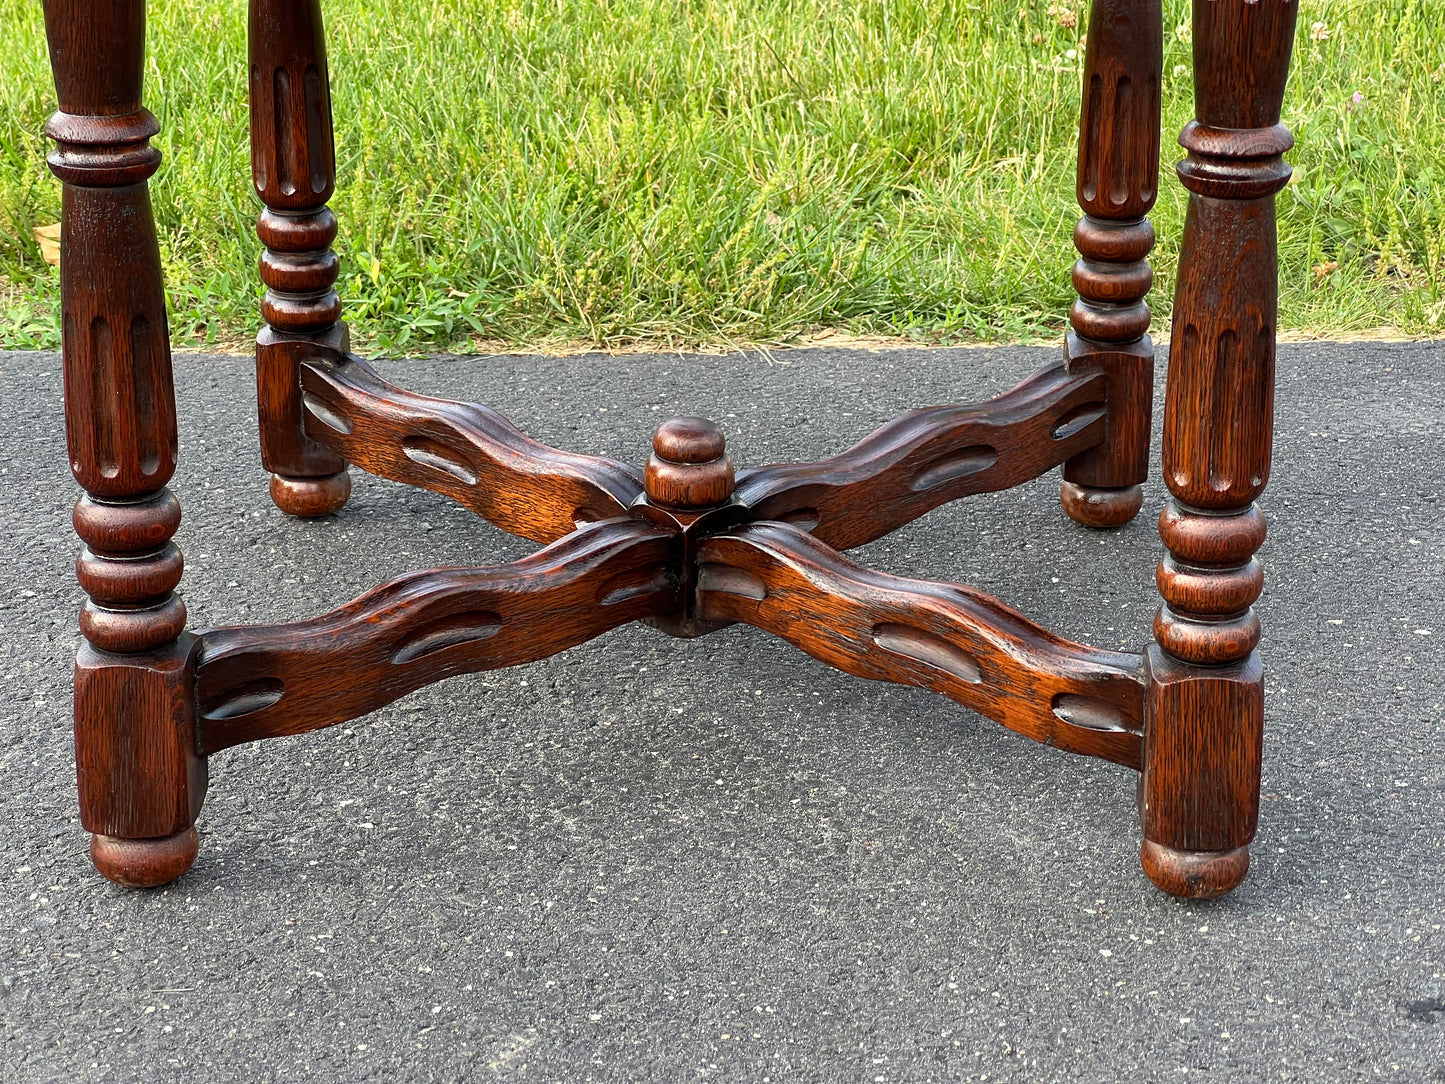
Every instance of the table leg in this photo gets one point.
(1199, 792)
(1118, 181)
(141, 779)
(293, 167)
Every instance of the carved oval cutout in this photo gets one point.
(1077, 420)
(325, 415)
(928, 649)
(731, 581)
(1091, 714)
(588, 514)
(430, 453)
(243, 699)
(805, 519)
(971, 460)
(646, 581)
(466, 627)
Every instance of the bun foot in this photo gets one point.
(1101, 507)
(1196, 875)
(144, 863)
(311, 497)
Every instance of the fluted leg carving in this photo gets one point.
(1118, 181)
(293, 168)
(141, 779)
(1200, 787)
(687, 544)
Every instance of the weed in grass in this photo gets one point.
(685, 172)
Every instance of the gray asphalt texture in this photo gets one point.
(656, 860)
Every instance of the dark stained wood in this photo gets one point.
(686, 545)
(1199, 792)
(688, 486)
(140, 777)
(307, 478)
(308, 498)
(464, 451)
(689, 467)
(1200, 789)
(932, 456)
(145, 863)
(1095, 507)
(265, 681)
(293, 167)
(948, 638)
(141, 773)
(1118, 182)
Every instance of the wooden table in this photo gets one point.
(686, 544)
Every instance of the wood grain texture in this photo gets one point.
(140, 772)
(688, 492)
(1219, 406)
(1199, 796)
(121, 427)
(689, 468)
(464, 451)
(932, 456)
(293, 168)
(145, 863)
(286, 450)
(292, 149)
(1092, 506)
(1241, 61)
(265, 681)
(1118, 182)
(140, 776)
(1118, 466)
(948, 638)
(1200, 793)
(309, 498)
(686, 545)
(1118, 173)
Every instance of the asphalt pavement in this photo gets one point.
(655, 860)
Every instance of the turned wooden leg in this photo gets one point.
(293, 167)
(1203, 733)
(141, 778)
(1118, 181)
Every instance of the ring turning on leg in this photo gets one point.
(293, 166)
(687, 544)
(1204, 730)
(1118, 181)
(139, 773)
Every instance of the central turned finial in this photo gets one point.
(689, 467)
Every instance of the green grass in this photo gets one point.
(684, 172)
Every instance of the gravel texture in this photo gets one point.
(649, 859)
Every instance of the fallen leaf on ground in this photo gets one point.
(48, 238)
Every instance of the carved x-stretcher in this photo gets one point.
(686, 544)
